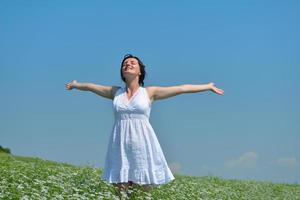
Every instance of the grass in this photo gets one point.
(35, 178)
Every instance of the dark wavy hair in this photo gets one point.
(142, 68)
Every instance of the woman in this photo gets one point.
(134, 156)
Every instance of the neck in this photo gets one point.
(132, 85)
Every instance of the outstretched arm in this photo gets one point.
(157, 93)
(101, 90)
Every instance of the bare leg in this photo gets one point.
(145, 188)
(125, 185)
(122, 186)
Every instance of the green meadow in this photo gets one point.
(35, 178)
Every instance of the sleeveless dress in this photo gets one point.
(134, 153)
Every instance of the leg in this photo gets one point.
(146, 188)
(122, 186)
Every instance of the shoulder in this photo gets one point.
(151, 90)
(162, 92)
(114, 89)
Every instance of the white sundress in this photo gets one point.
(134, 153)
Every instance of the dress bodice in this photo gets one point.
(138, 106)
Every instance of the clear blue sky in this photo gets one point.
(250, 49)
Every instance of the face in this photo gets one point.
(130, 66)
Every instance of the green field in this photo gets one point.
(35, 178)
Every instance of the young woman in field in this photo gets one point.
(134, 156)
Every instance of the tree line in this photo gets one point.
(5, 150)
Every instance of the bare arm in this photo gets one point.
(156, 92)
(101, 90)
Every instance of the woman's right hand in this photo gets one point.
(71, 85)
(215, 89)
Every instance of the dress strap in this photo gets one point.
(147, 96)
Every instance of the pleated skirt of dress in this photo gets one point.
(134, 154)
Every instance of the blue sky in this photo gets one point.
(250, 49)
